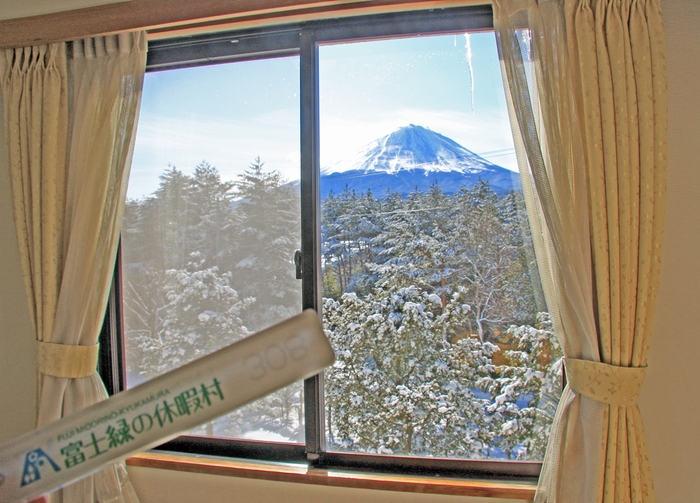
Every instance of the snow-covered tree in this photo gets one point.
(156, 229)
(525, 389)
(430, 306)
(399, 386)
(349, 222)
(489, 262)
(199, 313)
(435, 241)
(212, 218)
(206, 262)
(456, 264)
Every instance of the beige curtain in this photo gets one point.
(586, 88)
(70, 118)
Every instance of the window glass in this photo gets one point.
(431, 294)
(211, 225)
(430, 290)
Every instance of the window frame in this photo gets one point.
(304, 39)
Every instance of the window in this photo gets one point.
(374, 146)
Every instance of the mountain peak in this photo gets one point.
(412, 147)
(420, 144)
(414, 158)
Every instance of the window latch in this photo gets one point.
(297, 263)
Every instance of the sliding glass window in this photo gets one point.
(362, 167)
(211, 225)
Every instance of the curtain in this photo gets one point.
(586, 89)
(70, 118)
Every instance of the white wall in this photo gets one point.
(669, 404)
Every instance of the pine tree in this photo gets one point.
(267, 233)
(211, 205)
(349, 223)
(166, 221)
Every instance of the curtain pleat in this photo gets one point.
(31, 77)
(71, 111)
(586, 88)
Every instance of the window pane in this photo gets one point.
(431, 293)
(211, 226)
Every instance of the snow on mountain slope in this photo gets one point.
(412, 147)
(410, 158)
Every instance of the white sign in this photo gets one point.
(160, 409)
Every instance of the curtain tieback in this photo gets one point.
(64, 360)
(605, 383)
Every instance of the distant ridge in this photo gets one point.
(414, 157)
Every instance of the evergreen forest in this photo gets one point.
(431, 301)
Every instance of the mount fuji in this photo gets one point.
(410, 158)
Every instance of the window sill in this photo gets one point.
(290, 472)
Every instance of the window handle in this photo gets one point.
(297, 263)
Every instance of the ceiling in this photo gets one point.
(10, 9)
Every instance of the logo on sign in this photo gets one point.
(33, 462)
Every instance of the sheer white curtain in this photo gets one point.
(70, 118)
(586, 87)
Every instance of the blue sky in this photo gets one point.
(230, 113)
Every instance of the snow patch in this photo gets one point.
(265, 435)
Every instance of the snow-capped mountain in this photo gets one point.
(414, 157)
